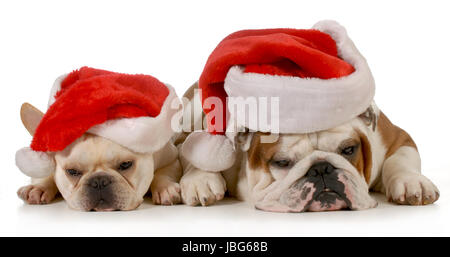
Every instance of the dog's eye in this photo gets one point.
(73, 172)
(348, 150)
(284, 163)
(125, 165)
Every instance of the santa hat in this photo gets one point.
(318, 75)
(134, 111)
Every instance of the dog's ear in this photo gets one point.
(244, 139)
(31, 116)
(370, 117)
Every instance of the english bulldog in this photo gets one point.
(328, 170)
(96, 174)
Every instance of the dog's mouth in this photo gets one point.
(104, 205)
(101, 201)
(328, 200)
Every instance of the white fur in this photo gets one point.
(402, 178)
(200, 186)
(209, 152)
(34, 164)
(317, 104)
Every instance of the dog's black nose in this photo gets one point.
(320, 168)
(100, 182)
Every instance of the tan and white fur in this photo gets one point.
(273, 176)
(94, 173)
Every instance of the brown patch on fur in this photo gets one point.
(363, 158)
(260, 153)
(393, 137)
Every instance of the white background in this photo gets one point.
(405, 42)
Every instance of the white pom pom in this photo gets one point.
(34, 164)
(209, 152)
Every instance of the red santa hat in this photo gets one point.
(318, 76)
(134, 111)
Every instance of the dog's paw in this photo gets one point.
(412, 189)
(202, 187)
(166, 192)
(37, 194)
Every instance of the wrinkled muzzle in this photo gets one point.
(320, 182)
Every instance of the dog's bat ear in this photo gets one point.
(370, 116)
(31, 116)
(244, 139)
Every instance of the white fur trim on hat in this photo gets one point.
(309, 104)
(143, 134)
(209, 152)
(35, 164)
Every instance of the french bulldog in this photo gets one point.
(324, 171)
(96, 174)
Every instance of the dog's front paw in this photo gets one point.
(202, 187)
(165, 192)
(37, 194)
(412, 189)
